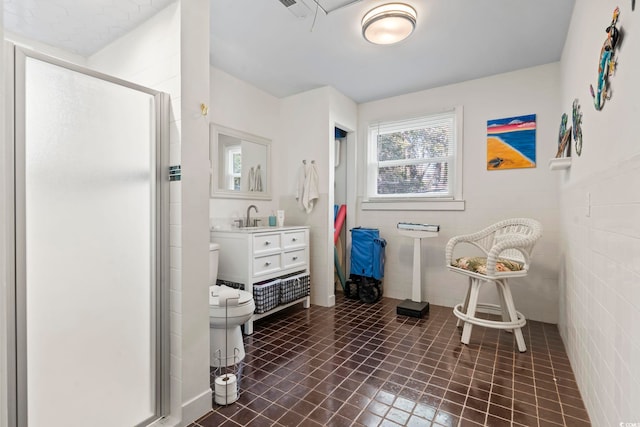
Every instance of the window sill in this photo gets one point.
(410, 205)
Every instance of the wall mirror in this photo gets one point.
(241, 164)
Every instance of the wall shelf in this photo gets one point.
(560, 163)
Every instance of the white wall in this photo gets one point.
(194, 64)
(308, 120)
(238, 105)
(600, 253)
(489, 195)
(150, 56)
(305, 132)
(167, 53)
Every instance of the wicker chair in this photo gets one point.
(507, 247)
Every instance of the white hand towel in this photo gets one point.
(258, 185)
(310, 194)
(251, 179)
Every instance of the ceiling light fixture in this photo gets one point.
(389, 23)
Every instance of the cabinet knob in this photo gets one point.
(267, 243)
(294, 239)
(295, 258)
(267, 264)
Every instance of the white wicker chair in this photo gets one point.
(507, 246)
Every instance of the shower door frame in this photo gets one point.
(16, 219)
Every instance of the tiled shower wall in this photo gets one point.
(600, 212)
(170, 52)
(156, 64)
(602, 291)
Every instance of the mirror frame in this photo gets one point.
(215, 131)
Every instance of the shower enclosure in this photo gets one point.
(91, 207)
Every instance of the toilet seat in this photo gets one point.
(235, 313)
(214, 290)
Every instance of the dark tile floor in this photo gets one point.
(357, 364)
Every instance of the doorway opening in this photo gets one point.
(340, 188)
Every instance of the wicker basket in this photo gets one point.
(266, 295)
(294, 287)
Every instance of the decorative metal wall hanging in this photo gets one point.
(577, 126)
(607, 63)
(564, 138)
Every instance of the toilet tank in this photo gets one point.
(214, 251)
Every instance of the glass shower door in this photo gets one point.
(88, 247)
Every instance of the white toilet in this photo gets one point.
(228, 309)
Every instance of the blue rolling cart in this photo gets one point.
(367, 265)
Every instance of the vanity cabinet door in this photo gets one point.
(295, 258)
(266, 264)
(265, 243)
(294, 239)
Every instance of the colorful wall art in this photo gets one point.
(511, 143)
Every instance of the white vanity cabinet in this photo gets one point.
(250, 256)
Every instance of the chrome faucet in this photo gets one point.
(248, 223)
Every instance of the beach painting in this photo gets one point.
(511, 143)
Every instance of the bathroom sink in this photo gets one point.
(228, 229)
(246, 229)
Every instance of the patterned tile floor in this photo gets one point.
(359, 364)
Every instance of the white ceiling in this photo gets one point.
(263, 43)
(78, 26)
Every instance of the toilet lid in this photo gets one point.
(214, 291)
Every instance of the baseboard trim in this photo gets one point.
(197, 407)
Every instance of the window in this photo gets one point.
(416, 159)
(233, 167)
